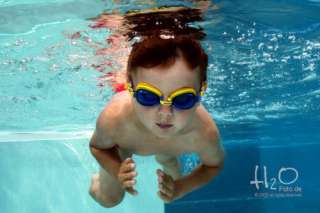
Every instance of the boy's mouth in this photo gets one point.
(164, 126)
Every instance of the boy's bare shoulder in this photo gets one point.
(115, 113)
(208, 129)
(109, 121)
(211, 150)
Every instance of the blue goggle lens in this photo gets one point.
(147, 98)
(185, 101)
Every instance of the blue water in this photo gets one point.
(264, 94)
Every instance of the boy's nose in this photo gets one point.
(165, 109)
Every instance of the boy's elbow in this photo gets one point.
(221, 164)
(215, 168)
(96, 149)
(93, 149)
(93, 145)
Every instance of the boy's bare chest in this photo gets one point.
(140, 144)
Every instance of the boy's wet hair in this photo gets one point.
(166, 34)
(177, 20)
(155, 51)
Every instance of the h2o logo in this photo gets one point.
(274, 181)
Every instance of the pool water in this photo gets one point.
(264, 94)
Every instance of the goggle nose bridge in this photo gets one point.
(162, 102)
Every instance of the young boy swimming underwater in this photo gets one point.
(159, 114)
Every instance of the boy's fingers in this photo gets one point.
(165, 189)
(129, 160)
(166, 185)
(127, 167)
(127, 176)
(129, 183)
(132, 191)
(164, 177)
(162, 174)
(163, 196)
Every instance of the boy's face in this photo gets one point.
(167, 80)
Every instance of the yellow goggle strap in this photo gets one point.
(128, 86)
(150, 88)
(203, 88)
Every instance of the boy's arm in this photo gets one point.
(212, 157)
(105, 150)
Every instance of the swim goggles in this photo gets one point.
(183, 98)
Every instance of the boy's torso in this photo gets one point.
(130, 139)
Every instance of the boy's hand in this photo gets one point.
(167, 187)
(126, 176)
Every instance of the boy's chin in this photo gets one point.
(164, 136)
(163, 133)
